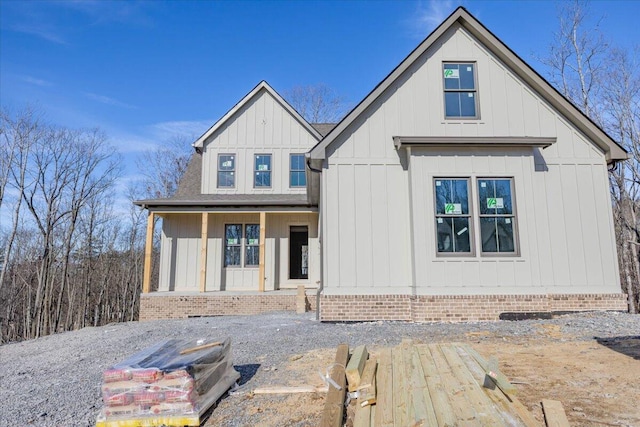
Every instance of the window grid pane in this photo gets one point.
(452, 215)
(226, 170)
(252, 242)
(262, 170)
(459, 90)
(496, 215)
(233, 245)
(297, 176)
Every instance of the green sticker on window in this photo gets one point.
(495, 203)
(451, 73)
(453, 208)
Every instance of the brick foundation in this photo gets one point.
(459, 308)
(156, 306)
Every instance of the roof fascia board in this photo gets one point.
(262, 85)
(472, 141)
(613, 151)
(319, 151)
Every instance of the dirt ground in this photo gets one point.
(597, 381)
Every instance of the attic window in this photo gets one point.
(226, 170)
(460, 91)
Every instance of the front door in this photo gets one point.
(298, 252)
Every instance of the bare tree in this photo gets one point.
(604, 83)
(163, 168)
(317, 103)
(577, 57)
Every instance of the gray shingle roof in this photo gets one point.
(323, 128)
(189, 195)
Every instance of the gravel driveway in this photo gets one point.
(55, 380)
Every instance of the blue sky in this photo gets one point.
(144, 71)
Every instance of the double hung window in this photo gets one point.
(297, 177)
(262, 170)
(460, 92)
(496, 215)
(226, 170)
(453, 215)
(236, 240)
(455, 218)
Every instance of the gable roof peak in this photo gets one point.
(461, 16)
(263, 85)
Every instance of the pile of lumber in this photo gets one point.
(171, 383)
(422, 385)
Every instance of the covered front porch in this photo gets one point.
(221, 250)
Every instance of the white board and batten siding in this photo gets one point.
(261, 126)
(378, 207)
(180, 253)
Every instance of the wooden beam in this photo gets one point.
(334, 404)
(204, 237)
(263, 226)
(384, 384)
(554, 414)
(356, 366)
(148, 250)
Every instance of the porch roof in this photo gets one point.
(229, 200)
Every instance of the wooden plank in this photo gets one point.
(201, 347)
(487, 414)
(148, 250)
(333, 411)
(263, 226)
(356, 366)
(455, 392)
(437, 393)
(493, 373)
(204, 237)
(400, 401)
(513, 408)
(384, 385)
(363, 416)
(291, 390)
(554, 414)
(421, 411)
(367, 386)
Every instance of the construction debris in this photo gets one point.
(169, 384)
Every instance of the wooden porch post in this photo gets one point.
(263, 220)
(148, 250)
(204, 236)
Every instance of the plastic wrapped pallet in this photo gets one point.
(160, 386)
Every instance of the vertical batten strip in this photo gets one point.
(148, 249)
(261, 278)
(204, 236)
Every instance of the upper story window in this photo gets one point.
(262, 170)
(460, 91)
(297, 175)
(226, 170)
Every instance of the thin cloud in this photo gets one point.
(185, 128)
(108, 101)
(36, 81)
(428, 16)
(40, 31)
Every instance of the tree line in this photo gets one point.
(69, 259)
